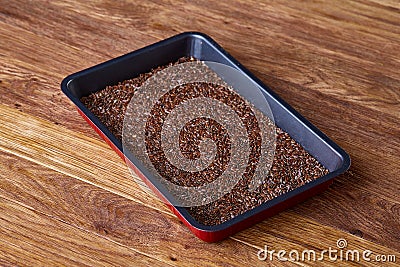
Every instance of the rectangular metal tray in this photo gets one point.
(202, 47)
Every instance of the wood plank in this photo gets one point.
(29, 238)
(336, 62)
(74, 154)
(369, 213)
(46, 30)
(312, 235)
(26, 90)
(46, 134)
(116, 218)
(111, 216)
(87, 207)
(46, 138)
(5, 263)
(355, 73)
(309, 110)
(22, 74)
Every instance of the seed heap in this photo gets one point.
(110, 103)
(292, 166)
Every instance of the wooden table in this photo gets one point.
(67, 199)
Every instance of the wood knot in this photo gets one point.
(357, 232)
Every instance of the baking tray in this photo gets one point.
(202, 47)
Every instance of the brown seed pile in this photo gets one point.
(198, 129)
(110, 103)
(292, 166)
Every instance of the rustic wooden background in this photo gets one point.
(67, 199)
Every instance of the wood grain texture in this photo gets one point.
(337, 62)
(92, 208)
(125, 222)
(303, 234)
(40, 240)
